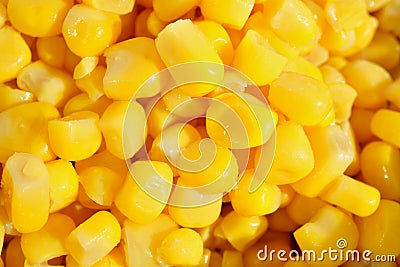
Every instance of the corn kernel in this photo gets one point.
(14, 255)
(281, 221)
(343, 97)
(141, 29)
(290, 91)
(82, 102)
(232, 258)
(26, 192)
(360, 121)
(303, 66)
(173, 10)
(14, 55)
(128, 25)
(331, 75)
(354, 167)
(39, 18)
(113, 259)
(13, 97)
(154, 24)
(85, 67)
(48, 83)
(302, 209)
(181, 104)
(88, 31)
(48, 242)
(159, 118)
(385, 125)
(364, 35)
(380, 168)
(375, 5)
(337, 42)
(51, 50)
(392, 92)
(345, 15)
(116, 6)
(181, 247)
(287, 195)
(124, 59)
(3, 15)
(92, 84)
(77, 212)
(388, 17)
(94, 238)
(76, 136)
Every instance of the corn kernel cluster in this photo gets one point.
(71, 72)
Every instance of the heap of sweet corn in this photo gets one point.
(70, 71)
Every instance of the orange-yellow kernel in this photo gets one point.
(82, 102)
(113, 259)
(345, 15)
(301, 208)
(375, 5)
(129, 65)
(3, 15)
(26, 192)
(76, 136)
(94, 238)
(337, 42)
(281, 221)
(64, 184)
(14, 53)
(51, 50)
(141, 29)
(48, 242)
(88, 31)
(128, 25)
(115, 6)
(232, 258)
(331, 74)
(159, 118)
(33, 136)
(70, 60)
(388, 17)
(303, 66)
(392, 92)
(11, 97)
(92, 84)
(85, 66)
(385, 124)
(360, 121)
(77, 212)
(14, 255)
(354, 167)
(172, 10)
(38, 18)
(380, 168)
(154, 24)
(287, 195)
(343, 97)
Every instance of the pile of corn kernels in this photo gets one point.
(70, 71)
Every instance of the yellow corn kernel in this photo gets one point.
(392, 92)
(115, 6)
(375, 5)
(293, 22)
(70, 60)
(385, 124)
(63, 184)
(354, 167)
(92, 84)
(219, 38)
(232, 258)
(380, 168)
(256, 58)
(48, 83)
(318, 55)
(364, 35)
(141, 29)
(100, 183)
(231, 14)
(14, 55)
(293, 158)
(343, 97)
(94, 238)
(243, 232)
(325, 230)
(181, 247)
(344, 16)
(332, 153)
(360, 121)
(303, 99)
(281, 221)
(51, 50)
(144, 206)
(137, 55)
(128, 25)
(195, 46)
(14, 255)
(331, 75)
(39, 18)
(388, 17)
(169, 11)
(77, 212)
(303, 66)
(337, 42)
(142, 240)
(379, 232)
(249, 123)
(265, 200)
(154, 24)
(370, 88)
(88, 31)
(159, 118)
(352, 195)
(85, 67)
(302, 209)
(11, 97)
(82, 102)
(26, 192)
(287, 195)
(181, 104)
(48, 242)
(87, 202)
(123, 125)
(202, 163)
(114, 259)
(3, 15)
(76, 136)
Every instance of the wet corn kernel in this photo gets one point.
(242, 232)
(113, 259)
(360, 121)
(181, 247)
(154, 24)
(76, 136)
(281, 221)
(317, 56)
(232, 14)
(379, 232)
(87, 202)
(77, 212)
(324, 230)
(94, 238)
(265, 200)
(345, 16)
(338, 43)
(82, 102)
(332, 153)
(123, 125)
(354, 167)
(385, 125)
(85, 67)
(159, 118)
(180, 104)
(287, 195)
(292, 90)
(33, 136)
(48, 242)
(375, 5)
(116, 6)
(331, 75)
(26, 192)
(219, 38)
(352, 195)
(24, 16)
(141, 29)
(343, 97)
(123, 60)
(11, 97)
(63, 184)
(301, 209)
(232, 258)
(293, 21)
(47, 83)
(142, 240)
(3, 15)
(303, 66)
(142, 206)
(380, 168)
(392, 93)
(101, 184)
(51, 50)
(14, 55)
(388, 17)
(256, 58)
(173, 10)
(128, 25)
(14, 255)
(92, 83)
(88, 31)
